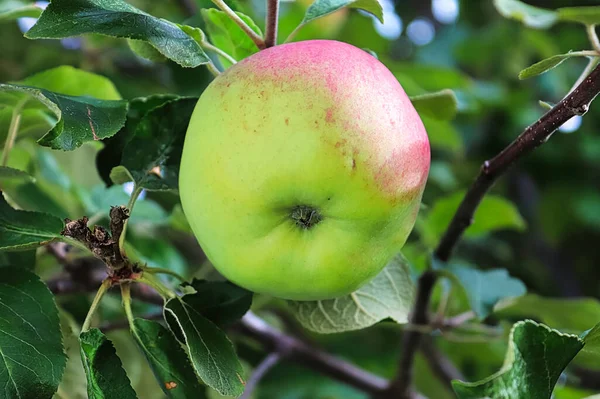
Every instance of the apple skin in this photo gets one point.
(317, 124)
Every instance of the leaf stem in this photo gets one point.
(208, 46)
(584, 53)
(13, 128)
(271, 24)
(160, 270)
(213, 69)
(591, 32)
(294, 33)
(134, 196)
(260, 43)
(593, 62)
(150, 280)
(101, 291)
(126, 297)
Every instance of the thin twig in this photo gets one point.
(575, 103)
(441, 366)
(458, 320)
(310, 356)
(271, 24)
(401, 386)
(260, 371)
(260, 43)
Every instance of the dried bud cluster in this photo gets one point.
(102, 244)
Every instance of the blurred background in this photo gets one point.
(551, 242)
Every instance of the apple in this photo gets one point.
(303, 169)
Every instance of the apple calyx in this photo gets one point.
(306, 216)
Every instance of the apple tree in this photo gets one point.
(227, 199)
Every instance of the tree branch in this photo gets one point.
(312, 357)
(401, 386)
(575, 103)
(82, 277)
(260, 371)
(271, 24)
(441, 366)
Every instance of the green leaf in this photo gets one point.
(14, 175)
(18, 259)
(228, 36)
(23, 230)
(545, 65)
(443, 135)
(585, 15)
(80, 119)
(567, 314)
(155, 253)
(484, 288)
(32, 360)
(535, 358)
(221, 302)
(120, 175)
(591, 351)
(441, 105)
(320, 8)
(211, 352)
(494, 213)
(110, 156)
(71, 81)
(116, 18)
(168, 361)
(12, 10)
(105, 375)
(389, 295)
(420, 78)
(154, 153)
(73, 380)
(145, 50)
(534, 17)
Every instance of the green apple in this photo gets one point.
(303, 169)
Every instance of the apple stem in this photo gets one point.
(271, 24)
